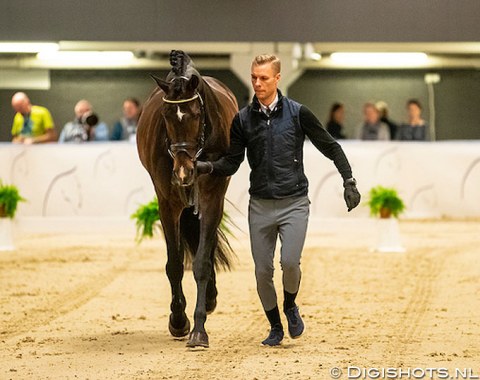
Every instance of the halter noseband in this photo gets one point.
(182, 100)
(173, 149)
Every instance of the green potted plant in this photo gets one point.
(385, 202)
(9, 198)
(147, 220)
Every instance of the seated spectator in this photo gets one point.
(85, 127)
(335, 121)
(384, 118)
(416, 128)
(31, 124)
(372, 128)
(126, 127)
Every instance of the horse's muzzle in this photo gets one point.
(183, 177)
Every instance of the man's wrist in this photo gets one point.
(350, 182)
(210, 166)
(204, 167)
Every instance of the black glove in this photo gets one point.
(204, 167)
(351, 194)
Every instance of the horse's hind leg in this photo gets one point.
(202, 271)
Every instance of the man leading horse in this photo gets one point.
(272, 130)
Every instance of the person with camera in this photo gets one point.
(85, 127)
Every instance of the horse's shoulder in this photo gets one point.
(222, 92)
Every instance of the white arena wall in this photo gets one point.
(101, 184)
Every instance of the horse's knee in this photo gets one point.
(174, 270)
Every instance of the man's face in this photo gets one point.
(414, 111)
(82, 109)
(264, 82)
(130, 110)
(371, 115)
(21, 105)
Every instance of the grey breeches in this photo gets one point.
(269, 219)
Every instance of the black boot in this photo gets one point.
(296, 326)
(275, 336)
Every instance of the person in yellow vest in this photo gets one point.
(31, 124)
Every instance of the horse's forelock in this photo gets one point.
(179, 89)
(179, 86)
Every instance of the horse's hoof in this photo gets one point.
(198, 339)
(179, 332)
(211, 305)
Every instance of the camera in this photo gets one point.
(90, 119)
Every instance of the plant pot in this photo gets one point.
(3, 212)
(6, 238)
(385, 213)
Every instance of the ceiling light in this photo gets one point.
(27, 47)
(87, 58)
(379, 59)
(310, 53)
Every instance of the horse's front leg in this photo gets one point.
(202, 271)
(179, 325)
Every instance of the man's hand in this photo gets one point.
(29, 141)
(204, 167)
(351, 194)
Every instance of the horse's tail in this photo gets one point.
(190, 234)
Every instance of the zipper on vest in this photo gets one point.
(270, 171)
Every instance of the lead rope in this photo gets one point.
(195, 197)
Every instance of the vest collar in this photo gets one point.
(256, 106)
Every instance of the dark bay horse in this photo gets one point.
(185, 118)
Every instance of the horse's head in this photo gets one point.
(184, 117)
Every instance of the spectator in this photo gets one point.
(372, 128)
(335, 121)
(384, 118)
(31, 124)
(416, 128)
(85, 127)
(126, 127)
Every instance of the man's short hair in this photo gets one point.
(371, 105)
(268, 58)
(415, 102)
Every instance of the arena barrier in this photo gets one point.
(105, 182)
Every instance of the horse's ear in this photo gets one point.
(193, 83)
(164, 85)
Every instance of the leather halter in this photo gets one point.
(184, 146)
(173, 149)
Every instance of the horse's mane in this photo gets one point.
(182, 70)
(179, 61)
